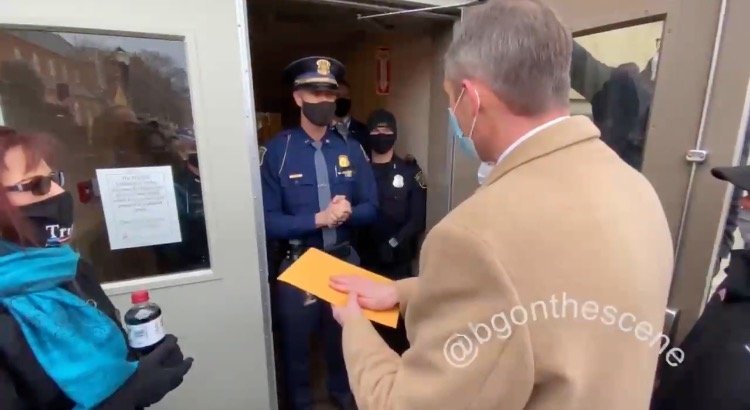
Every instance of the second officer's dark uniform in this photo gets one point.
(389, 246)
(300, 176)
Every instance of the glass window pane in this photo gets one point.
(127, 110)
(613, 75)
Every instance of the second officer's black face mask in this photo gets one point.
(343, 106)
(321, 113)
(51, 219)
(381, 143)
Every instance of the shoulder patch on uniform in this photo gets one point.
(421, 180)
(262, 154)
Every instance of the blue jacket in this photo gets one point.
(290, 194)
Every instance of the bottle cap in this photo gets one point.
(140, 296)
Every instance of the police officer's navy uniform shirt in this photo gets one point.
(290, 191)
(402, 196)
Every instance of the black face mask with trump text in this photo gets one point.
(51, 220)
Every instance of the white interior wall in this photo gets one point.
(410, 100)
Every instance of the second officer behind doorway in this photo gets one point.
(345, 124)
(317, 186)
(390, 245)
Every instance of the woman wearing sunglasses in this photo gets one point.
(61, 344)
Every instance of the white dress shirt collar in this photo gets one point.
(529, 135)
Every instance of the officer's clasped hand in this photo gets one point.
(159, 373)
(339, 210)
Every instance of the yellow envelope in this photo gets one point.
(312, 273)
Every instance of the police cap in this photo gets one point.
(381, 118)
(318, 73)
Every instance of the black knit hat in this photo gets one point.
(381, 118)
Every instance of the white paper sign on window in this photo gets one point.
(139, 206)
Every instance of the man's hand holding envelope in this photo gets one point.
(320, 274)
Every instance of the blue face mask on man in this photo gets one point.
(464, 141)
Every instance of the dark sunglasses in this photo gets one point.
(38, 185)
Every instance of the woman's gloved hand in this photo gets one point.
(158, 373)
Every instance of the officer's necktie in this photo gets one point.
(324, 191)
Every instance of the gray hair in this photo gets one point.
(519, 48)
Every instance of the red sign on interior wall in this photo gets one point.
(383, 71)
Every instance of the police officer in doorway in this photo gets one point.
(345, 124)
(317, 186)
(390, 246)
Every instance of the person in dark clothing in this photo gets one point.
(61, 343)
(344, 123)
(389, 246)
(621, 99)
(715, 372)
(727, 241)
(620, 110)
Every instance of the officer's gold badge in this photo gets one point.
(262, 153)
(421, 180)
(344, 161)
(324, 67)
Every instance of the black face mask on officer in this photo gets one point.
(381, 143)
(343, 106)
(51, 219)
(320, 113)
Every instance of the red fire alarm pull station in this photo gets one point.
(383, 71)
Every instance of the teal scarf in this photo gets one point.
(78, 346)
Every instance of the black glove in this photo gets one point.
(158, 373)
(385, 253)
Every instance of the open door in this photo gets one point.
(152, 102)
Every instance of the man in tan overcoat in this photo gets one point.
(547, 288)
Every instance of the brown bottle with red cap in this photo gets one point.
(143, 323)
